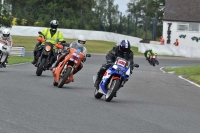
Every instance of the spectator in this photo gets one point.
(162, 40)
(176, 42)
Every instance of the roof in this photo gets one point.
(182, 10)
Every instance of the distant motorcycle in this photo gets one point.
(153, 60)
(4, 51)
(113, 79)
(46, 56)
(63, 73)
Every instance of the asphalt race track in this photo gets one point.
(150, 102)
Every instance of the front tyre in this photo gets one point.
(97, 95)
(115, 85)
(64, 77)
(41, 67)
(153, 61)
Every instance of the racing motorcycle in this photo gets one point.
(153, 60)
(4, 51)
(63, 73)
(113, 79)
(46, 56)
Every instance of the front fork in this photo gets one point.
(64, 69)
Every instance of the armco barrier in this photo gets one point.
(73, 33)
(17, 51)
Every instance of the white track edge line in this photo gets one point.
(191, 82)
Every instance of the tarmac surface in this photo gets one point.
(150, 102)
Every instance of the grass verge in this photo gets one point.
(93, 46)
(19, 59)
(190, 72)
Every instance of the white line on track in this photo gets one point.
(181, 77)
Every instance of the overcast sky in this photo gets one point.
(122, 5)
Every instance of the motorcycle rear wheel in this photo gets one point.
(64, 77)
(115, 85)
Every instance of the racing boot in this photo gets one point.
(78, 69)
(157, 62)
(4, 64)
(97, 82)
(34, 60)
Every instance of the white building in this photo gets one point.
(184, 16)
(181, 21)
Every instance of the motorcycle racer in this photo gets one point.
(78, 44)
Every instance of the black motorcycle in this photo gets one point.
(153, 60)
(46, 56)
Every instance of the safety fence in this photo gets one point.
(17, 51)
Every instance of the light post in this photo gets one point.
(146, 19)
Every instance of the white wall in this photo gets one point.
(72, 33)
(187, 47)
(170, 50)
(183, 42)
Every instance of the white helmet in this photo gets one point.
(5, 33)
(81, 40)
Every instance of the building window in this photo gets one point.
(193, 27)
(188, 27)
(182, 26)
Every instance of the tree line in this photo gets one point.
(143, 18)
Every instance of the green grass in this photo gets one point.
(19, 59)
(190, 72)
(93, 46)
(28, 42)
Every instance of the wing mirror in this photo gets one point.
(39, 32)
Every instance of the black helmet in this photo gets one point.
(54, 25)
(124, 46)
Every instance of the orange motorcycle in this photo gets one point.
(63, 73)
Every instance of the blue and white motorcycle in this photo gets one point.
(113, 79)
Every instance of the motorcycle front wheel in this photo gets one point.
(115, 85)
(153, 61)
(64, 77)
(40, 67)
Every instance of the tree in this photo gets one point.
(144, 12)
(5, 18)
